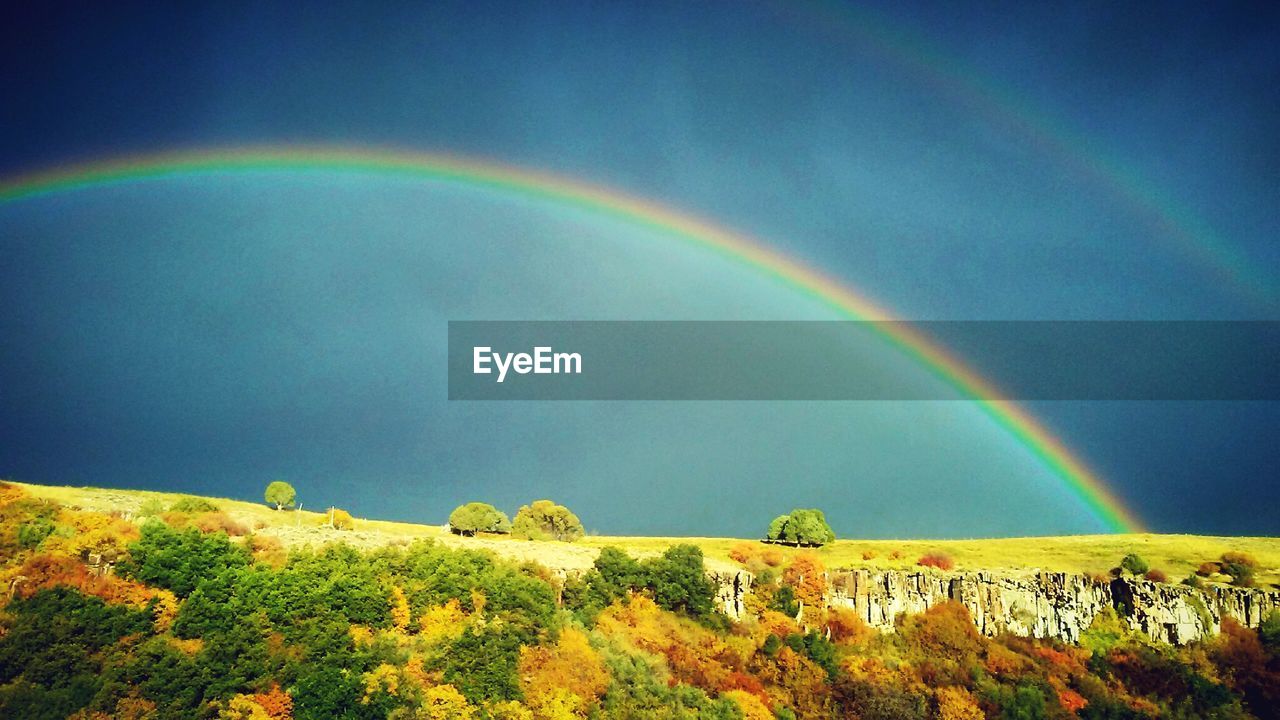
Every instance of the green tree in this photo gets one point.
(775, 527)
(1135, 564)
(478, 517)
(801, 527)
(53, 647)
(281, 494)
(615, 573)
(679, 581)
(545, 520)
(31, 534)
(179, 560)
(1026, 703)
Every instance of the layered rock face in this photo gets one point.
(1043, 605)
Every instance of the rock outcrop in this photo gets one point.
(1042, 605)
(732, 587)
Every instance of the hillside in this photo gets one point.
(158, 606)
(1177, 555)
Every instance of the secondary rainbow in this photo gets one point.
(1074, 473)
(1175, 222)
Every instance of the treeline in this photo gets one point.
(194, 624)
(539, 520)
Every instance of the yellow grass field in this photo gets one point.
(1176, 555)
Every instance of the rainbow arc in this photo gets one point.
(1070, 469)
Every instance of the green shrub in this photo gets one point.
(478, 517)
(545, 520)
(1239, 567)
(679, 581)
(31, 534)
(784, 601)
(1134, 564)
(193, 506)
(179, 559)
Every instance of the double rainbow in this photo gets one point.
(1076, 476)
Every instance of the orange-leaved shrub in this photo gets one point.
(938, 560)
(219, 521)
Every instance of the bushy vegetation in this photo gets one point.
(478, 517)
(194, 623)
(340, 519)
(281, 494)
(801, 527)
(192, 505)
(1239, 567)
(1134, 564)
(938, 560)
(676, 581)
(545, 520)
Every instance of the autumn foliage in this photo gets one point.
(569, 672)
(941, 561)
(110, 618)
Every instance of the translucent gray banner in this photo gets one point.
(1035, 360)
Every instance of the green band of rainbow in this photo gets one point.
(1082, 482)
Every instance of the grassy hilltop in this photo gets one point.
(1177, 555)
(216, 608)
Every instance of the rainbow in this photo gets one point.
(1077, 477)
(1190, 235)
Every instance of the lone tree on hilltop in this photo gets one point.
(478, 517)
(806, 527)
(281, 494)
(545, 520)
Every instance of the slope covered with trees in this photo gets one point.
(182, 613)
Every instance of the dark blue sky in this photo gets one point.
(995, 161)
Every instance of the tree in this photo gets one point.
(1135, 564)
(615, 573)
(478, 517)
(1239, 566)
(571, 665)
(340, 519)
(281, 494)
(808, 579)
(31, 534)
(179, 560)
(775, 527)
(801, 527)
(444, 702)
(679, 581)
(543, 519)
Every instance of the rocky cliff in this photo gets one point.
(1043, 605)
